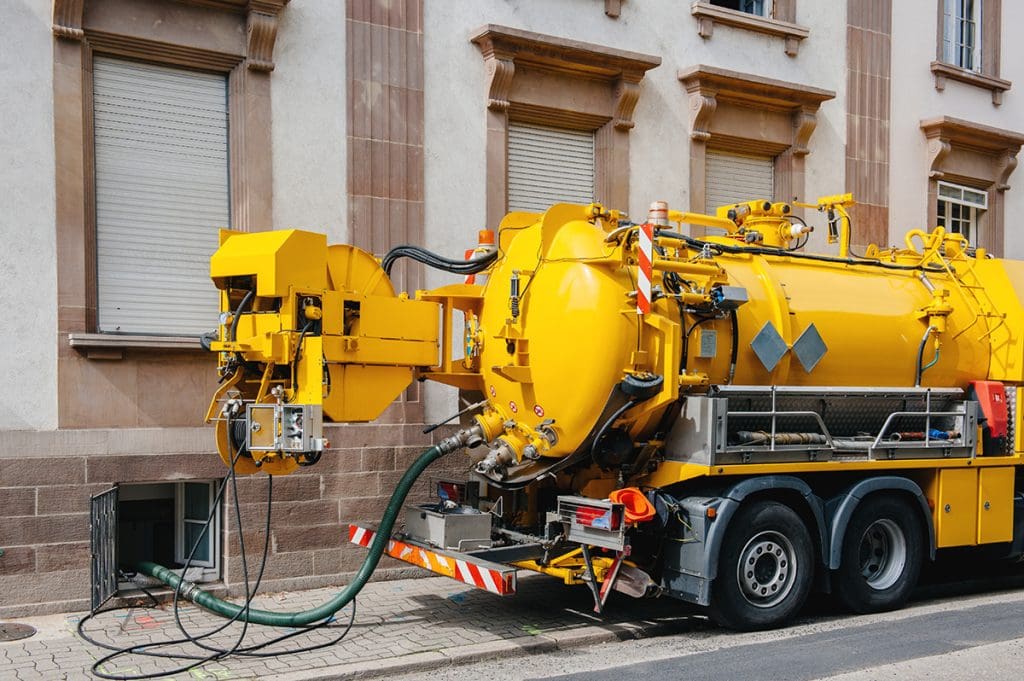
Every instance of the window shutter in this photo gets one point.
(548, 165)
(161, 194)
(731, 178)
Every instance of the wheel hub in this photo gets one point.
(882, 554)
(767, 569)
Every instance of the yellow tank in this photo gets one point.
(559, 327)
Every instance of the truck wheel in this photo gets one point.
(881, 555)
(764, 569)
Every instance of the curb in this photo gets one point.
(547, 642)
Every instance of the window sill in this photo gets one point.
(707, 15)
(112, 346)
(942, 71)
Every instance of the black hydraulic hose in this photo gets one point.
(320, 613)
(233, 329)
(608, 422)
(725, 248)
(919, 369)
(475, 264)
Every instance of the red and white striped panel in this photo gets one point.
(500, 581)
(645, 255)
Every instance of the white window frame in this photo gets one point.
(955, 21)
(976, 200)
(766, 8)
(181, 551)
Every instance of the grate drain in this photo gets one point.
(9, 631)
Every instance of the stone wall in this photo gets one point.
(45, 490)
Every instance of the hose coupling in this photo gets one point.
(461, 439)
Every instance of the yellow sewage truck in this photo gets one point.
(724, 419)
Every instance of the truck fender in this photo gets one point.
(841, 507)
(734, 496)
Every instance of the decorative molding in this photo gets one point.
(612, 8)
(500, 72)
(707, 15)
(504, 48)
(938, 150)
(262, 34)
(67, 19)
(997, 86)
(1006, 165)
(946, 133)
(626, 93)
(804, 122)
(708, 86)
(171, 53)
(702, 109)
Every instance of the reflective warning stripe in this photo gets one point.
(645, 256)
(498, 581)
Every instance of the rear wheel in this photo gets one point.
(881, 555)
(764, 569)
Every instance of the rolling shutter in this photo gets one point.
(548, 165)
(731, 178)
(161, 194)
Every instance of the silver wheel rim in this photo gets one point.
(882, 554)
(767, 569)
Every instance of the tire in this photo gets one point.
(765, 568)
(881, 555)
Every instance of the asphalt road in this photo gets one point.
(959, 626)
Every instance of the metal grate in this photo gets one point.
(103, 537)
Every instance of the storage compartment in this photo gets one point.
(460, 528)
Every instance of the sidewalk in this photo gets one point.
(402, 626)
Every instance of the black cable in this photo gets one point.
(216, 653)
(724, 248)
(474, 265)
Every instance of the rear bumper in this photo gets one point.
(493, 577)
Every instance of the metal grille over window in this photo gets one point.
(161, 194)
(735, 177)
(960, 209)
(548, 165)
(103, 547)
(961, 41)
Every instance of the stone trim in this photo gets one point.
(868, 101)
(613, 8)
(528, 77)
(943, 71)
(977, 155)
(779, 25)
(741, 112)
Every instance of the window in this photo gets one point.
(968, 45)
(761, 8)
(960, 209)
(961, 41)
(553, 100)
(731, 178)
(162, 522)
(161, 155)
(548, 165)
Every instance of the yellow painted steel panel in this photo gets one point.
(995, 505)
(956, 509)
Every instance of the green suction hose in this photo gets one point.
(322, 612)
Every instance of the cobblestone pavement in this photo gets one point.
(400, 626)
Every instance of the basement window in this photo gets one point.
(162, 522)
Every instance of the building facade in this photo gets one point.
(134, 129)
